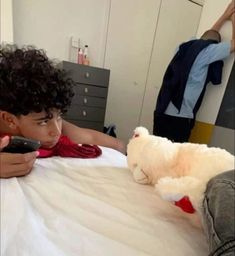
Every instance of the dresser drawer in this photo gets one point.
(85, 113)
(88, 90)
(89, 101)
(86, 74)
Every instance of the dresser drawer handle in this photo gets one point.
(87, 75)
(84, 113)
(85, 100)
(86, 90)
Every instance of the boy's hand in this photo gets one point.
(229, 10)
(4, 142)
(14, 165)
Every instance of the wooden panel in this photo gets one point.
(201, 133)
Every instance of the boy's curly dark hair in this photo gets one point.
(30, 82)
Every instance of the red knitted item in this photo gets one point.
(185, 204)
(66, 148)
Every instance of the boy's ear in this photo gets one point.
(9, 120)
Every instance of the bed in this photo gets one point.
(87, 207)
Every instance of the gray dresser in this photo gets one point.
(89, 102)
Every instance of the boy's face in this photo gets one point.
(41, 126)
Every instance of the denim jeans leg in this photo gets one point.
(219, 214)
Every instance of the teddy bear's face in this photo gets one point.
(146, 154)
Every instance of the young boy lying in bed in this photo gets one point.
(33, 96)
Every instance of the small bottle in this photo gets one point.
(80, 56)
(85, 56)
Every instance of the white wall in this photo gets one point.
(6, 21)
(49, 24)
(214, 94)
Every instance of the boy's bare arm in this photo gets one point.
(88, 136)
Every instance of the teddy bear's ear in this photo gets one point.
(140, 131)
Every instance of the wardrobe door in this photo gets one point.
(130, 38)
(6, 21)
(178, 22)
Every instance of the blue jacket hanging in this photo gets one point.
(176, 75)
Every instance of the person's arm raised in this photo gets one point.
(229, 14)
(224, 17)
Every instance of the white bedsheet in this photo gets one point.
(92, 207)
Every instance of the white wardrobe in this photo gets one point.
(6, 21)
(141, 40)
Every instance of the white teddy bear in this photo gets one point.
(179, 171)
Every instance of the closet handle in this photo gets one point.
(200, 3)
(87, 75)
